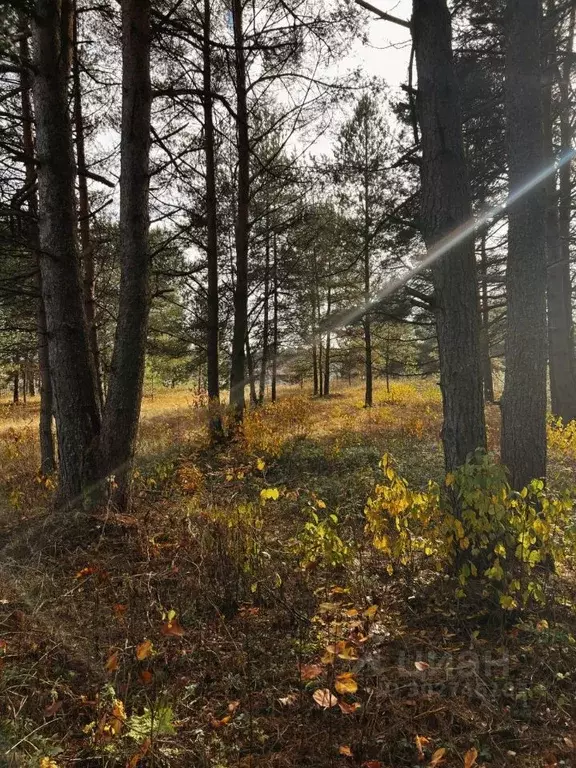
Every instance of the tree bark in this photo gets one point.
(266, 322)
(562, 360)
(524, 399)
(237, 365)
(445, 207)
(274, 320)
(327, 347)
(120, 423)
(47, 456)
(368, 394)
(212, 341)
(75, 400)
(251, 373)
(86, 249)
(485, 324)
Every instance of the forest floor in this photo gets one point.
(241, 617)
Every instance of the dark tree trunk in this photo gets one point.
(446, 206)
(367, 323)
(266, 322)
(243, 203)
(315, 364)
(31, 386)
(274, 320)
(485, 324)
(524, 399)
(327, 347)
(47, 457)
(86, 249)
(251, 373)
(562, 360)
(212, 341)
(76, 403)
(120, 423)
(16, 386)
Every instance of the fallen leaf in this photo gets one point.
(215, 723)
(324, 698)
(437, 757)
(146, 676)
(349, 709)
(143, 650)
(172, 629)
(369, 613)
(53, 708)
(119, 610)
(345, 750)
(310, 671)
(371, 764)
(421, 666)
(112, 663)
(345, 683)
(233, 706)
(470, 757)
(289, 701)
(140, 755)
(421, 742)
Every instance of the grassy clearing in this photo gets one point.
(231, 621)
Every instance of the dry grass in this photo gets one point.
(250, 612)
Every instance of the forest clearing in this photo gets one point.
(287, 384)
(242, 616)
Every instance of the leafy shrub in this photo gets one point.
(477, 527)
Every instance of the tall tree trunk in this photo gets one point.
(76, 403)
(367, 324)
(47, 456)
(524, 399)
(274, 319)
(485, 323)
(16, 386)
(251, 373)
(445, 206)
(327, 348)
(562, 359)
(243, 203)
(86, 249)
(266, 322)
(120, 423)
(212, 342)
(315, 364)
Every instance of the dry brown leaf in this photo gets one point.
(53, 708)
(325, 698)
(421, 666)
(140, 755)
(348, 709)
(172, 629)
(146, 676)
(288, 701)
(310, 671)
(345, 750)
(421, 742)
(112, 662)
(470, 757)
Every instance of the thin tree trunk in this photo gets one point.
(327, 348)
(445, 206)
(524, 399)
(315, 363)
(251, 373)
(274, 320)
(266, 322)
(120, 423)
(76, 403)
(86, 249)
(485, 323)
(368, 395)
(47, 456)
(16, 386)
(212, 342)
(243, 203)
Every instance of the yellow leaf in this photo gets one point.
(345, 683)
(143, 650)
(437, 757)
(324, 698)
(421, 742)
(118, 717)
(369, 613)
(321, 504)
(269, 493)
(470, 757)
(260, 465)
(345, 750)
